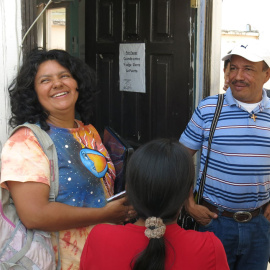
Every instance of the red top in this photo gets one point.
(114, 246)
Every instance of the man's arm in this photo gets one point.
(191, 151)
(200, 213)
(267, 212)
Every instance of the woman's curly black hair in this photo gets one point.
(25, 106)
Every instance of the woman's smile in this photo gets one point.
(60, 94)
(56, 88)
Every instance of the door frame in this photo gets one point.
(208, 56)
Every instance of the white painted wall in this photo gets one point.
(10, 38)
(216, 44)
(215, 57)
(215, 51)
(198, 91)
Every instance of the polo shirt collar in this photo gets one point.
(265, 102)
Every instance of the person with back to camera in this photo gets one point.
(226, 71)
(158, 180)
(235, 202)
(49, 87)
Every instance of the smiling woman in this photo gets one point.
(57, 92)
(54, 69)
(50, 86)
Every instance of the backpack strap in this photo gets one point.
(211, 134)
(49, 149)
(24, 249)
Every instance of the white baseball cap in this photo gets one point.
(253, 51)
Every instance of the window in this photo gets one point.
(52, 28)
(56, 28)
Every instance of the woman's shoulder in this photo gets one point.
(205, 243)
(23, 153)
(213, 250)
(107, 228)
(22, 138)
(21, 134)
(204, 246)
(201, 236)
(111, 231)
(194, 238)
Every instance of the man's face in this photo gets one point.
(246, 79)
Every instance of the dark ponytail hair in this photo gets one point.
(158, 180)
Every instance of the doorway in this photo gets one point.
(165, 27)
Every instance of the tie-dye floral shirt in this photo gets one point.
(86, 175)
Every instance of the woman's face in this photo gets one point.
(56, 88)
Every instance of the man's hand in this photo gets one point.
(199, 212)
(267, 212)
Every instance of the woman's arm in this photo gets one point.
(36, 212)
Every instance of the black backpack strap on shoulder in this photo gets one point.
(211, 134)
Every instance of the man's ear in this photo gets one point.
(267, 75)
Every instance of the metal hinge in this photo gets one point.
(194, 3)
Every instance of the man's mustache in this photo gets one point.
(240, 82)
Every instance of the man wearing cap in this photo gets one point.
(235, 203)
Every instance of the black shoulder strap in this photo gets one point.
(211, 134)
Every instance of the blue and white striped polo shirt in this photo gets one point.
(238, 173)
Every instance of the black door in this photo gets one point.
(166, 28)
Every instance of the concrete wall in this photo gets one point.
(10, 40)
